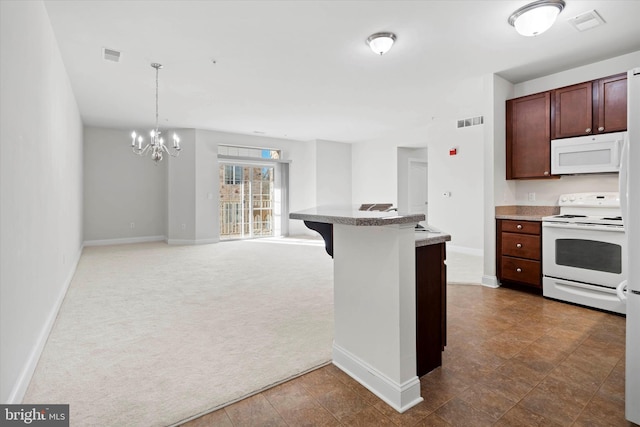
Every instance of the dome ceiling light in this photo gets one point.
(537, 17)
(380, 43)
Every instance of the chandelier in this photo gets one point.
(156, 145)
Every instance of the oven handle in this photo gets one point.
(595, 227)
(621, 289)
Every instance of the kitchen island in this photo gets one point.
(381, 265)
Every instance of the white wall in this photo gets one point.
(181, 194)
(619, 64)
(461, 214)
(40, 189)
(333, 173)
(496, 187)
(376, 174)
(207, 188)
(121, 188)
(374, 167)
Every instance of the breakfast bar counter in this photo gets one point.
(380, 266)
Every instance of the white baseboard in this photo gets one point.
(400, 397)
(465, 250)
(125, 240)
(490, 281)
(191, 241)
(22, 383)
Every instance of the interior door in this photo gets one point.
(418, 193)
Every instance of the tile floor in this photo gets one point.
(512, 359)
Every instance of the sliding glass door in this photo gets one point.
(246, 201)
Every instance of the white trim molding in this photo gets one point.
(400, 397)
(125, 241)
(490, 281)
(191, 241)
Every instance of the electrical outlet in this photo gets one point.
(132, 225)
(184, 226)
(532, 197)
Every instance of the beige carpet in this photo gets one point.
(151, 334)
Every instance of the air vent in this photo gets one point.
(110, 55)
(586, 21)
(473, 121)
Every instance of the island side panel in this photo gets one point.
(431, 281)
(375, 310)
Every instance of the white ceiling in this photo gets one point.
(301, 69)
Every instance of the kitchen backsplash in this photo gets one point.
(546, 192)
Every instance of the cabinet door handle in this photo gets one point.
(519, 270)
(546, 173)
(518, 245)
(519, 226)
(587, 130)
(601, 128)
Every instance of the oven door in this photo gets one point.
(586, 253)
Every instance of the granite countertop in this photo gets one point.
(431, 236)
(350, 215)
(526, 213)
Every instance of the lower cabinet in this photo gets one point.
(519, 252)
(431, 306)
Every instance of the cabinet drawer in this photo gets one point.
(521, 270)
(527, 227)
(521, 245)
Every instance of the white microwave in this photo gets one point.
(587, 154)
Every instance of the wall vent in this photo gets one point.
(110, 55)
(586, 21)
(473, 121)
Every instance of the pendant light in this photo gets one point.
(155, 146)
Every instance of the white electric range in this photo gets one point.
(584, 252)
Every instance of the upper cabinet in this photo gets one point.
(572, 111)
(610, 104)
(528, 141)
(598, 106)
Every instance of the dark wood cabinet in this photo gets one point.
(528, 137)
(598, 106)
(431, 306)
(572, 112)
(519, 252)
(610, 97)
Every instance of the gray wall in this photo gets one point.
(121, 188)
(177, 200)
(40, 189)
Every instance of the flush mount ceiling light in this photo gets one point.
(155, 146)
(380, 43)
(537, 17)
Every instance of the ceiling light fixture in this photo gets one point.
(156, 144)
(380, 43)
(537, 17)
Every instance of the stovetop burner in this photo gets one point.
(588, 209)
